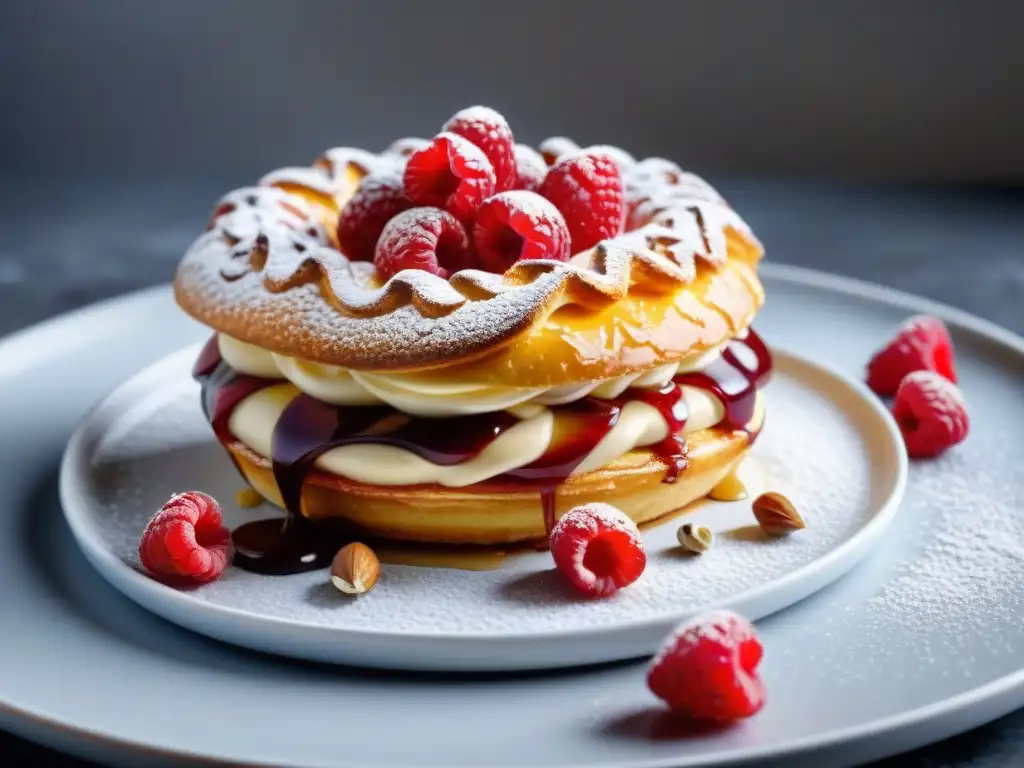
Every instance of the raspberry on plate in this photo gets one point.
(378, 199)
(931, 414)
(707, 668)
(488, 130)
(518, 225)
(422, 238)
(451, 173)
(587, 189)
(921, 344)
(598, 548)
(187, 539)
(530, 168)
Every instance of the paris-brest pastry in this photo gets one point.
(458, 339)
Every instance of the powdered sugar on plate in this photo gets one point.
(823, 446)
(973, 545)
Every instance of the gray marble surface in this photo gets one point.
(66, 243)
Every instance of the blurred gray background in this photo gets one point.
(122, 121)
(894, 90)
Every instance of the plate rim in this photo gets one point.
(842, 558)
(28, 722)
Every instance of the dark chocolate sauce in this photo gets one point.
(272, 546)
(277, 547)
(223, 388)
(308, 428)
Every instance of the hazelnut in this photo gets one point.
(776, 514)
(355, 569)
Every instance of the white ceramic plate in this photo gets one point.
(923, 639)
(828, 444)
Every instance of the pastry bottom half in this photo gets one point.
(507, 513)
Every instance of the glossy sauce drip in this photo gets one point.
(271, 546)
(308, 428)
(670, 404)
(222, 388)
(734, 378)
(578, 427)
(581, 425)
(729, 488)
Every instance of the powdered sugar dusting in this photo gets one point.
(587, 518)
(530, 166)
(659, 192)
(266, 251)
(477, 114)
(581, 524)
(932, 413)
(575, 533)
(531, 203)
(621, 157)
(314, 296)
(721, 626)
(812, 450)
(314, 178)
(937, 391)
(406, 146)
(472, 156)
(337, 160)
(972, 559)
(412, 242)
(551, 149)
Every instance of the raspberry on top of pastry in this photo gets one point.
(458, 339)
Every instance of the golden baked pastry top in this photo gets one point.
(680, 280)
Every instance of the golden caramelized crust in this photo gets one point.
(268, 272)
(492, 514)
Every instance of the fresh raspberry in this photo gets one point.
(921, 344)
(622, 158)
(488, 130)
(406, 146)
(598, 548)
(452, 173)
(587, 189)
(187, 540)
(530, 168)
(378, 199)
(931, 414)
(515, 226)
(556, 147)
(422, 238)
(706, 669)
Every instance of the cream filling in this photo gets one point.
(423, 395)
(639, 425)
